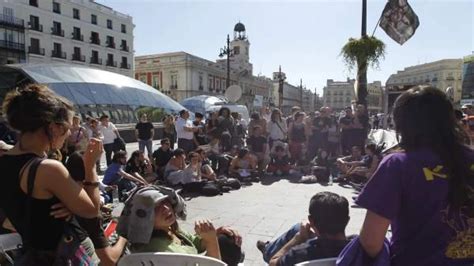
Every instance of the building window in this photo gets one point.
(76, 14)
(57, 29)
(94, 19)
(124, 63)
(201, 86)
(95, 38)
(110, 60)
(109, 24)
(35, 47)
(155, 81)
(236, 50)
(124, 28)
(56, 7)
(34, 23)
(174, 81)
(110, 43)
(77, 56)
(34, 3)
(58, 51)
(123, 46)
(76, 34)
(95, 58)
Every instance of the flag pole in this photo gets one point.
(376, 26)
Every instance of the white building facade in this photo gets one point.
(181, 75)
(338, 94)
(440, 74)
(375, 97)
(75, 31)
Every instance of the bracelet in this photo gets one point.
(92, 184)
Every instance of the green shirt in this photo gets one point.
(191, 244)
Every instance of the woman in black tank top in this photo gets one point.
(297, 136)
(43, 120)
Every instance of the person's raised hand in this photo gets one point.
(205, 229)
(93, 151)
(232, 233)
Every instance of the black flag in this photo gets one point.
(399, 20)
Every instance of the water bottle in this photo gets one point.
(330, 180)
(115, 196)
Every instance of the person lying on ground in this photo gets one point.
(321, 236)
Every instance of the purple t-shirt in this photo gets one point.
(411, 190)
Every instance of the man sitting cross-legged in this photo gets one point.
(321, 236)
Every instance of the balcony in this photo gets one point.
(124, 65)
(57, 32)
(124, 48)
(78, 57)
(95, 41)
(110, 45)
(12, 21)
(95, 60)
(35, 26)
(173, 87)
(35, 50)
(12, 45)
(77, 37)
(58, 54)
(450, 78)
(111, 63)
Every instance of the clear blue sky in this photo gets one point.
(304, 37)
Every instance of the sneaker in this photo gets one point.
(255, 179)
(262, 245)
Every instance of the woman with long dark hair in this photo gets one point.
(426, 191)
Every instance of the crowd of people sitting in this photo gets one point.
(52, 196)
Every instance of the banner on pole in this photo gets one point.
(399, 20)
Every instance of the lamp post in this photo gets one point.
(281, 80)
(229, 52)
(362, 71)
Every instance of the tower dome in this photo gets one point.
(239, 27)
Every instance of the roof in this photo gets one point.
(239, 27)
(88, 86)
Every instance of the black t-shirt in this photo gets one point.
(201, 134)
(347, 121)
(144, 130)
(320, 123)
(313, 249)
(162, 157)
(256, 143)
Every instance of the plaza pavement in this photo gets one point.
(262, 210)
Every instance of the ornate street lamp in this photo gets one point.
(229, 52)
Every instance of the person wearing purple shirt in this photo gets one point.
(426, 191)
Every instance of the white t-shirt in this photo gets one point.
(180, 132)
(108, 133)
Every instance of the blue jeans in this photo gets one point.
(274, 246)
(145, 143)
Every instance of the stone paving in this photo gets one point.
(262, 211)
